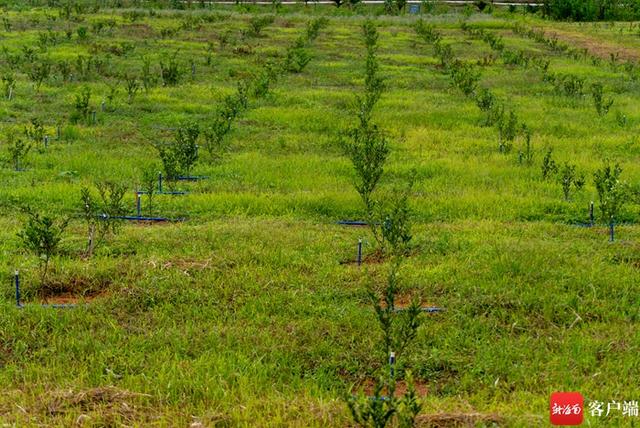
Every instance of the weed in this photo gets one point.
(601, 103)
(296, 59)
(8, 84)
(148, 78)
(549, 166)
(507, 132)
(170, 70)
(570, 179)
(132, 86)
(40, 71)
(526, 154)
(257, 24)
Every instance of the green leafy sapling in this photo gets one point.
(612, 192)
(507, 132)
(214, 137)
(367, 146)
(525, 156)
(132, 86)
(148, 185)
(8, 85)
(179, 155)
(82, 105)
(570, 179)
(186, 140)
(394, 221)
(41, 235)
(18, 150)
(601, 103)
(101, 213)
(549, 166)
(399, 328)
(170, 70)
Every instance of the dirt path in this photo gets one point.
(601, 48)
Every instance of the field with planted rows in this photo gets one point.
(233, 215)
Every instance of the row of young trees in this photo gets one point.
(179, 155)
(612, 193)
(388, 218)
(551, 41)
(565, 84)
(102, 205)
(465, 76)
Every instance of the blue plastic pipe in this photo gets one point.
(17, 281)
(429, 309)
(392, 363)
(352, 223)
(611, 232)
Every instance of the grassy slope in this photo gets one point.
(243, 314)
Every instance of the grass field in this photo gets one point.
(247, 313)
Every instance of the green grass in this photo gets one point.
(244, 313)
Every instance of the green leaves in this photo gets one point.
(18, 150)
(368, 150)
(170, 70)
(601, 103)
(570, 179)
(41, 235)
(612, 192)
(179, 155)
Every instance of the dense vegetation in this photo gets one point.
(592, 10)
(471, 145)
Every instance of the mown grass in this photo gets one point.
(244, 313)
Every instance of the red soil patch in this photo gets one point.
(447, 420)
(70, 299)
(369, 385)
